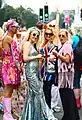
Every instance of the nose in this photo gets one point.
(36, 36)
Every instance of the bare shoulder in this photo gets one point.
(8, 39)
(27, 43)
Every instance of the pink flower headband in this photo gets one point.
(10, 23)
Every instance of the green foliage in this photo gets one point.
(2, 15)
(27, 16)
(0, 3)
(53, 15)
(23, 16)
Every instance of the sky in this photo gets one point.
(53, 4)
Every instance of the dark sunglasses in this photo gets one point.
(51, 25)
(17, 27)
(61, 35)
(34, 34)
(50, 34)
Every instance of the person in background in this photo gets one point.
(66, 77)
(35, 106)
(75, 38)
(70, 33)
(11, 66)
(78, 70)
(19, 95)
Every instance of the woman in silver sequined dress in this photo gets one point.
(35, 106)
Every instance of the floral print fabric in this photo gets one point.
(10, 70)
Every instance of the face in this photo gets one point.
(18, 34)
(34, 36)
(48, 34)
(63, 37)
(14, 29)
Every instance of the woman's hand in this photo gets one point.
(52, 57)
(39, 56)
(54, 52)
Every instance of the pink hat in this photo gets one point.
(10, 23)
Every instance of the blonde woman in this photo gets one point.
(49, 70)
(66, 76)
(35, 106)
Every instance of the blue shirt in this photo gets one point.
(75, 40)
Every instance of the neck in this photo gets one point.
(31, 42)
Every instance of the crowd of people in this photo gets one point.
(31, 62)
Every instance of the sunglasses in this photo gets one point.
(17, 27)
(34, 34)
(51, 25)
(50, 34)
(61, 35)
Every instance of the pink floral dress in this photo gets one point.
(11, 64)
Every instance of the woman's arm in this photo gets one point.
(65, 58)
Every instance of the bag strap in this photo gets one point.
(51, 49)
